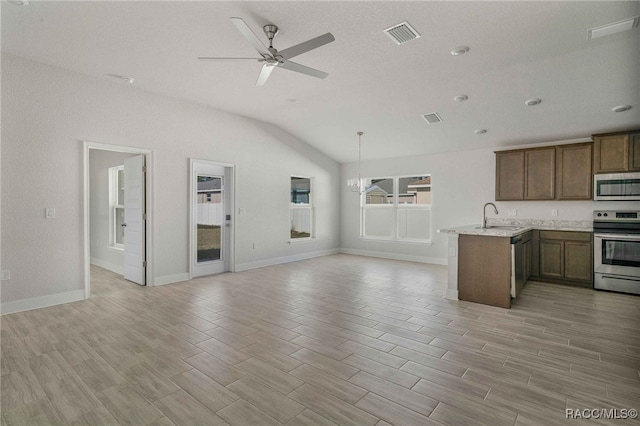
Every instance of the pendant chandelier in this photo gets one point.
(356, 184)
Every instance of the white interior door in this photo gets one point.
(211, 209)
(134, 220)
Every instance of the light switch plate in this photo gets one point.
(50, 213)
(5, 275)
(554, 212)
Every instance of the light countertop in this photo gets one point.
(511, 228)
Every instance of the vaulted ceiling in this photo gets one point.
(518, 51)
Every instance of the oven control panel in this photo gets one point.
(616, 216)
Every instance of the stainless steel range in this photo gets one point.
(616, 256)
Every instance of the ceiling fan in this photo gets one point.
(271, 57)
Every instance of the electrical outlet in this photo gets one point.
(513, 212)
(452, 252)
(50, 213)
(554, 212)
(5, 275)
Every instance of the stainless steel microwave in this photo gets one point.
(616, 186)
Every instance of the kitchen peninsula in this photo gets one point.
(491, 265)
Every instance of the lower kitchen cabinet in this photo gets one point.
(527, 258)
(564, 257)
(484, 270)
(578, 261)
(552, 258)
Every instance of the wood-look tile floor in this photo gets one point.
(334, 340)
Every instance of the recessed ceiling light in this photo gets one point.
(459, 50)
(532, 102)
(616, 27)
(461, 98)
(480, 131)
(19, 2)
(121, 78)
(621, 108)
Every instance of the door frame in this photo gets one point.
(232, 199)
(87, 146)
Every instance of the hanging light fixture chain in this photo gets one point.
(356, 185)
(360, 161)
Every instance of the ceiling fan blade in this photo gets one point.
(251, 37)
(265, 72)
(294, 66)
(306, 46)
(209, 58)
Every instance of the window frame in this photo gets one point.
(398, 208)
(114, 183)
(302, 207)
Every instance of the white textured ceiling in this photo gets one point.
(519, 50)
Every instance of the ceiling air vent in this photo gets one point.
(401, 33)
(432, 118)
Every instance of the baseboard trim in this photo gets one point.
(41, 302)
(118, 269)
(451, 294)
(170, 279)
(395, 256)
(285, 259)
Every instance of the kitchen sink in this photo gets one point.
(502, 227)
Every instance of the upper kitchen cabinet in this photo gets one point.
(551, 173)
(540, 174)
(634, 152)
(573, 172)
(616, 152)
(509, 175)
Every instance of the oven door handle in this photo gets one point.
(630, 237)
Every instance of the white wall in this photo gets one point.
(461, 183)
(102, 254)
(46, 114)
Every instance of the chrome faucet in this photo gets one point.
(484, 213)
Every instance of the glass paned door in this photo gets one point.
(209, 217)
(211, 224)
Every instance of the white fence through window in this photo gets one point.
(210, 214)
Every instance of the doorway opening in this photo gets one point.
(211, 226)
(117, 212)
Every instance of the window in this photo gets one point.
(397, 208)
(116, 207)
(301, 208)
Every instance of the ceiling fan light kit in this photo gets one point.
(271, 57)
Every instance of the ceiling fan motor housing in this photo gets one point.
(271, 31)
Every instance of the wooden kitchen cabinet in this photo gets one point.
(540, 174)
(616, 152)
(527, 258)
(634, 152)
(561, 172)
(509, 175)
(484, 270)
(577, 261)
(574, 179)
(565, 257)
(552, 258)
